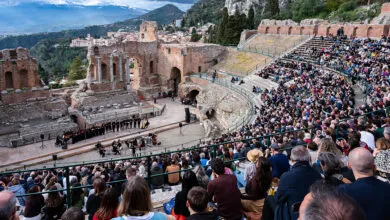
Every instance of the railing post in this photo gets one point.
(214, 154)
(68, 196)
(149, 163)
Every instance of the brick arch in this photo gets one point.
(23, 78)
(96, 51)
(266, 30)
(370, 32)
(151, 66)
(289, 30)
(278, 30)
(104, 69)
(175, 79)
(328, 30)
(9, 82)
(301, 30)
(354, 31)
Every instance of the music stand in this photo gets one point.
(42, 137)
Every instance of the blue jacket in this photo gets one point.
(280, 164)
(295, 184)
(372, 195)
(18, 190)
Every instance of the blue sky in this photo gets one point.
(144, 4)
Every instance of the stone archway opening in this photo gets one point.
(289, 30)
(23, 76)
(9, 82)
(354, 31)
(151, 66)
(114, 69)
(175, 80)
(105, 75)
(266, 30)
(210, 113)
(327, 31)
(301, 30)
(96, 51)
(369, 32)
(278, 30)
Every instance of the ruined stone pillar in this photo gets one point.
(99, 69)
(127, 68)
(111, 69)
(120, 68)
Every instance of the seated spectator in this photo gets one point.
(294, 184)
(323, 203)
(73, 213)
(223, 191)
(203, 159)
(197, 200)
(257, 188)
(381, 144)
(199, 171)
(137, 204)
(94, 200)
(173, 178)
(54, 205)
(369, 192)
(189, 181)
(18, 190)
(157, 181)
(130, 173)
(331, 166)
(313, 150)
(382, 164)
(108, 206)
(250, 169)
(279, 161)
(8, 206)
(77, 196)
(34, 204)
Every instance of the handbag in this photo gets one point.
(168, 206)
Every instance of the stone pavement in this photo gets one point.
(174, 113)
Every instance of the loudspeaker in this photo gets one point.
(42, 136)
(54, 157)
(188, 115)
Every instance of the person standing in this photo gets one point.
(279, 161)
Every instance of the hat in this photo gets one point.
(253, 155)
(275, 146)
(382, 161)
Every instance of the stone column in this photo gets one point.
(111, 69)
(127, 68)
(99, 69)
(120, 68)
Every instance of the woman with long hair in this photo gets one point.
(34, 204)
(331, 166)
(189, 181)
(257, 188)
(108, 206)
(54, 205)
(136, 202)
(94, 200)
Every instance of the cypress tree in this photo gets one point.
(251, 18)
(221, 35)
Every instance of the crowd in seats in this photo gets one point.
(325, 156)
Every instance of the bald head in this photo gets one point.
(361, 161)
(7, 205)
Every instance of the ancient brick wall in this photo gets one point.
(18, 70)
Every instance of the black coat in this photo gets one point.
(295, 184)
(372, 195)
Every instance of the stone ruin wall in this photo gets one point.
(376, 29)
(18, 70)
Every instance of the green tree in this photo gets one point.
(195, 37)
(306, 9)
(43, 75)
(273, 7)
(76, 70)
(221, 35)
(251, 18)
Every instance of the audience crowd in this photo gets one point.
(311, 154)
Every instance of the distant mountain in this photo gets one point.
(163, 15)
(37, 17)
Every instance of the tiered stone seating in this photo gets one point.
(273, 45)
